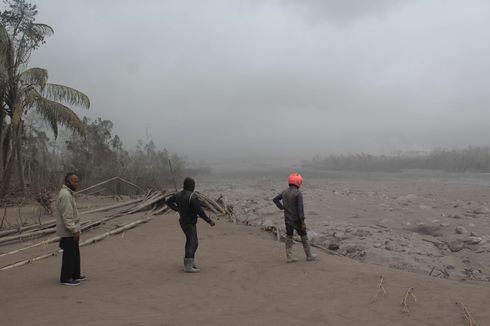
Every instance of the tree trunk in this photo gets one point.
(7, 171)
(20, 165)
(3, 134)
(11, 153)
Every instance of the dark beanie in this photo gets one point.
(189, 184)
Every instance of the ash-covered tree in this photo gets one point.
(27, 88)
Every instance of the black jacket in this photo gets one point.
(188, 206)
(292, 204)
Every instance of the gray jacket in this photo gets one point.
(67, 220)
(292, 204)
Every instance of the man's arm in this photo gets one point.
(277, 201)
(301, 210)
(196, 204)
(172, 203)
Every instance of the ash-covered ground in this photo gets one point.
(427, 222)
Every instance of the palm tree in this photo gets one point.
(27, 89)
(50, 101)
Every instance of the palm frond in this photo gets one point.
(54, 113)
(34, 76)
(42, 29)
(67, 95)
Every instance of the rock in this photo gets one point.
(444, 225)
(461, 230)
(471, 225)
(377, 245)
(410, 197)
(362, 233)
(482, 210)
(456, 216)
(456, 245)
(389, 247)
(473, 240)
(333, 246)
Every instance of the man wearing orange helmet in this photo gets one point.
(291, 202)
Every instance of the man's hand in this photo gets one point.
(76, 236)
(212, 223)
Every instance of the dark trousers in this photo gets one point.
(191, 241)
(70, 263)
(296, 226)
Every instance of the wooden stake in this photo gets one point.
(407, 298)
(467, 316)
(379, 290)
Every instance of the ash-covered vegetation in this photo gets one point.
(470, 159)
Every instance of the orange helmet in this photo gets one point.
(295, 179)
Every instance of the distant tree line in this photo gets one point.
(470, 159)
(96, 156)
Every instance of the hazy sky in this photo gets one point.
(283, 78)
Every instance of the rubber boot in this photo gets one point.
(289, 251)
(307, 248)
(189, 266)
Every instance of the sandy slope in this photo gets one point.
(136, 279)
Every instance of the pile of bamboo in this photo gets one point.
(151, 204)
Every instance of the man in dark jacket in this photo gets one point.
(294, 217)
(189, 207)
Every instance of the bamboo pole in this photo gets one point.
(27, 235)
(108, 208)
(48, 241)
(110, 180)
(212, 203)
(28, 228)
(115, 231)
(82, 244)
(53, 229)
(84, 227)
(51, 223)
(147, 204)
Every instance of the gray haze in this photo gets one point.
(274, 79)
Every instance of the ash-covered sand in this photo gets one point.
(136, 278)
(426, 222)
